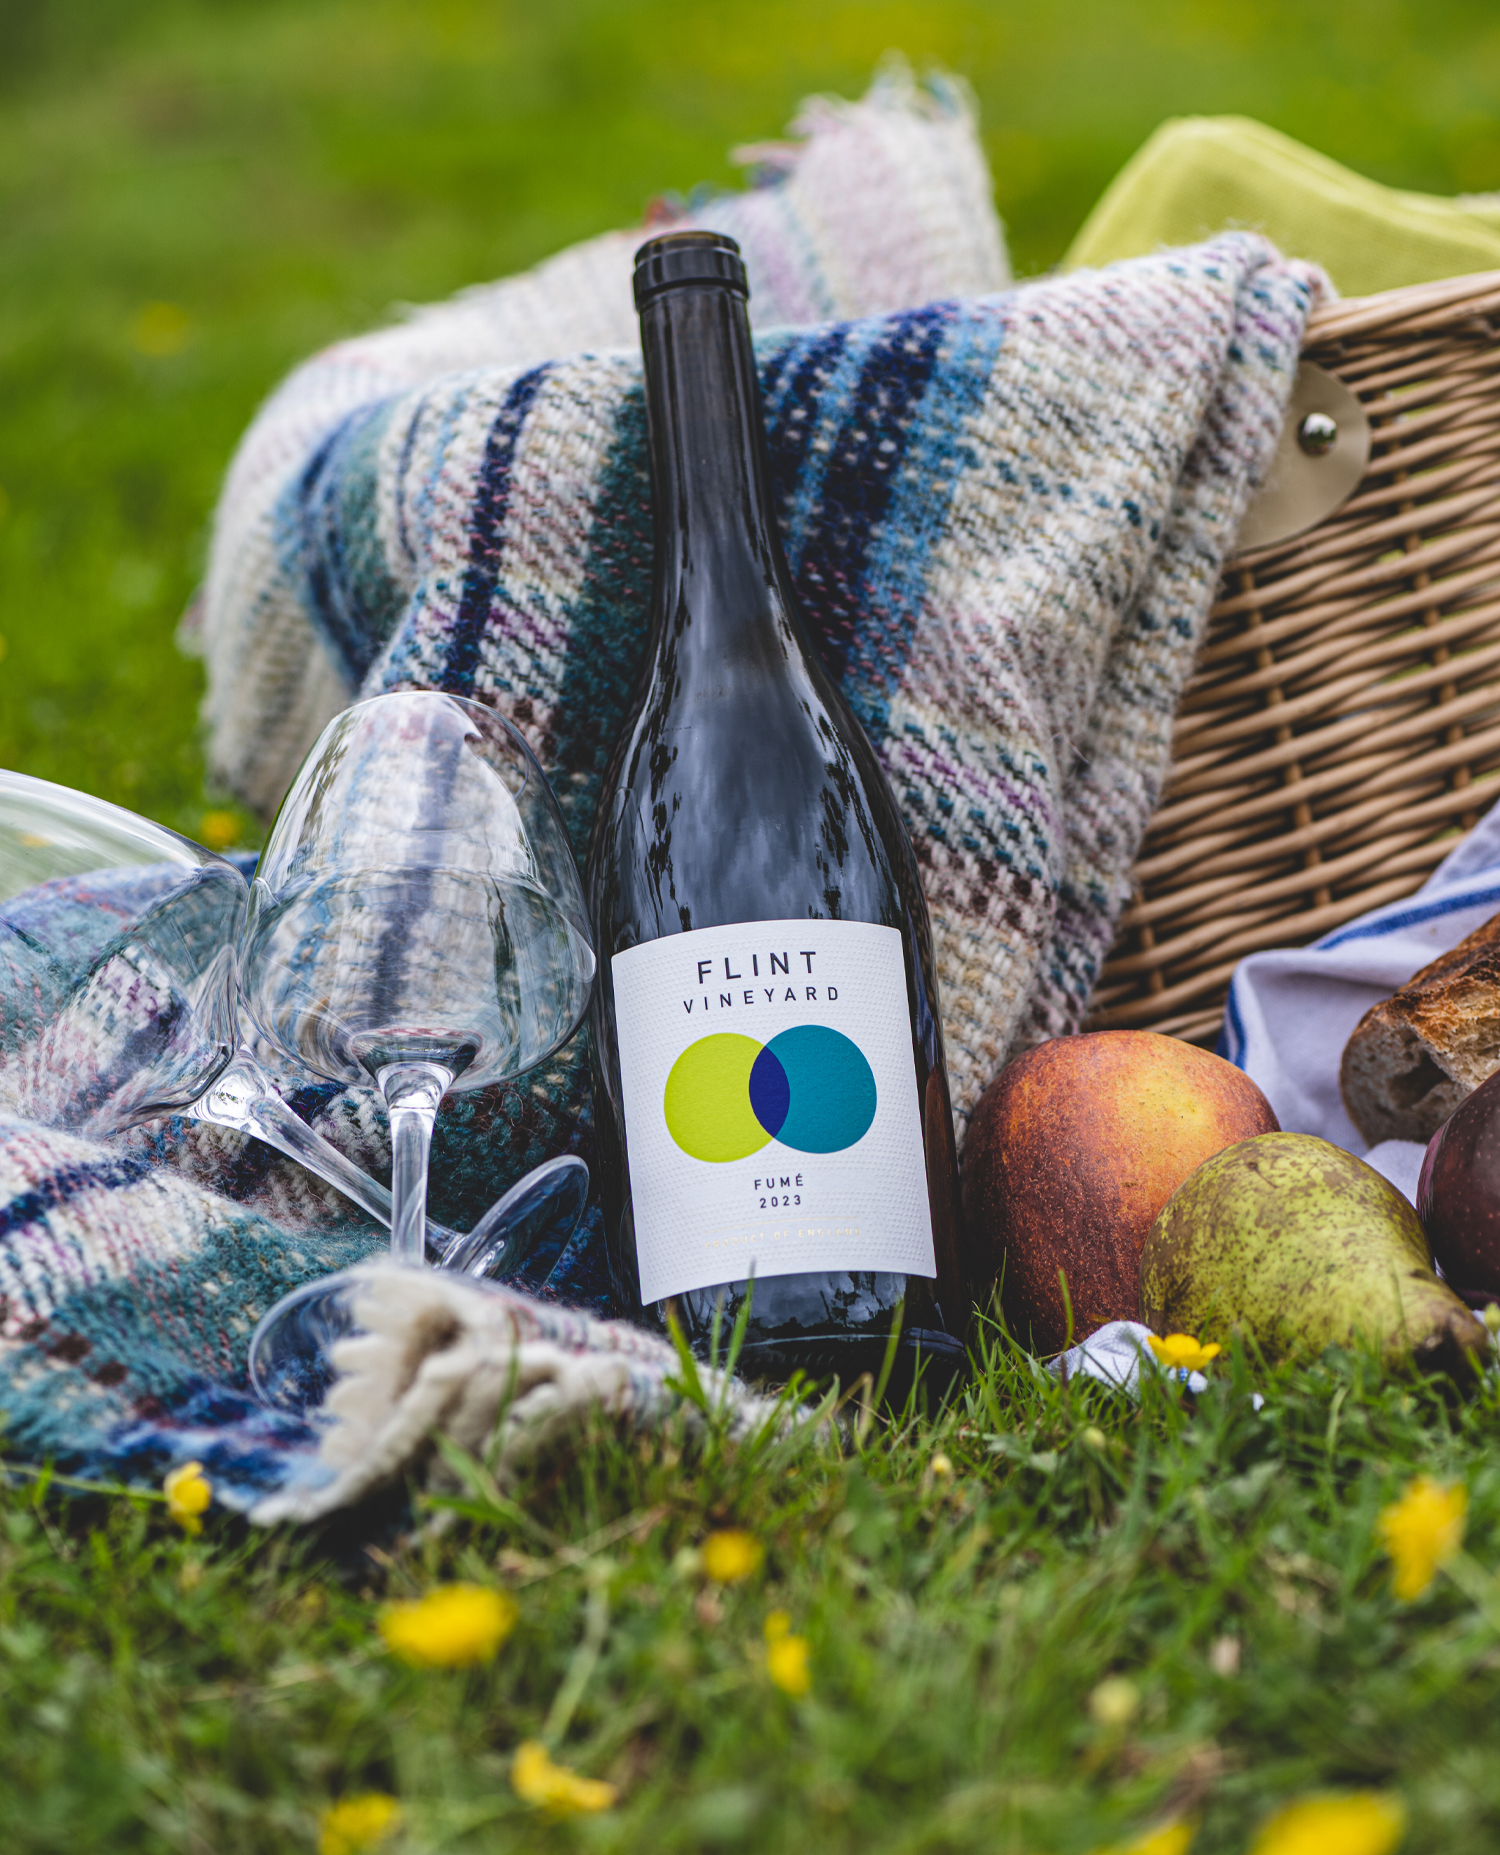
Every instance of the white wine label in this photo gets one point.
(770, 1099)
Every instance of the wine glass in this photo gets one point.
(117, 960)
(416, 920)
(117, 979)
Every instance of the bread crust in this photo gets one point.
(1416, 1055)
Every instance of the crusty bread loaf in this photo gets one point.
(1416, 1055)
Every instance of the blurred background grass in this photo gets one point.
(195, 193)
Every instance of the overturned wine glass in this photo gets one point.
(117, 961)
(118, 1005)
(416, 920)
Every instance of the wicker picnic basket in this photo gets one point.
(1342, 728)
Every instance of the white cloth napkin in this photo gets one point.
(1115, 1354)
(1291, 1011)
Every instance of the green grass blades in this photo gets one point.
(1045, 1619)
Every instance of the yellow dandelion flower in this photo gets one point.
(786, 1655)
(1181, 1352)
(1115, 1702)
(1335, 1823)
(1170, 1839)
(941, 1466)
(452, 1625)
(731, 1555)
(1166, 1839)
(161, 329)
(1422, 1531)
(189, 1494)
(356, 1823)
(219, 830)
(554, 1788)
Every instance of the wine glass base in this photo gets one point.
(546, 1203)
(291, 1365)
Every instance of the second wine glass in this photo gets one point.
(417, 918)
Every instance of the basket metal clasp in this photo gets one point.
(1323, 452)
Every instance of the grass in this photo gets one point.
(194, 194)
(1218, 1566)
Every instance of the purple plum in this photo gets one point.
(1458, 1195)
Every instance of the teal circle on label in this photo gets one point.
(832, 1089)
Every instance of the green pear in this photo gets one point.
(1300, 1245)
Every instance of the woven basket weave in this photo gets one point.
(1342, 728)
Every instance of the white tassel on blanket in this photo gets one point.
(442, 1355)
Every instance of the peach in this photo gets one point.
(1073, 1151)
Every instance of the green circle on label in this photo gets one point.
(707, 1099)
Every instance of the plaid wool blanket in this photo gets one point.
(1006, 514)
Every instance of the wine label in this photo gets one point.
(770, 1096)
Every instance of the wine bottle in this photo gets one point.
(770, 1087)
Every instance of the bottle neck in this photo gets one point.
(715, 536)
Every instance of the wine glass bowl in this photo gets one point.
(117, 941)
(417, 902)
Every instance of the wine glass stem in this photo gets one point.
(244, 1099)
(279, 1126)
(412, 1092)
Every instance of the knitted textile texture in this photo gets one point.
(884, 204)
(440, 1355)
(129, 1295)
(133, 1269)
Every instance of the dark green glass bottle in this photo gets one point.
(770, 1086)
